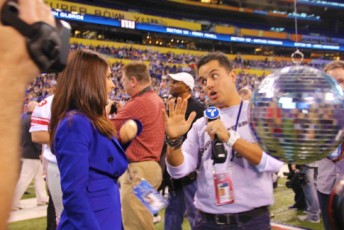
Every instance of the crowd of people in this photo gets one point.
(43, 84)
(127, 84)
(160, 65)
(96, 165)
(163, 85)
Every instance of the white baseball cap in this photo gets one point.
(184, 77)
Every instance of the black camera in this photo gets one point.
(113, 108)
(295, 179)
(292, 183)
(48, 46)
(287, 174)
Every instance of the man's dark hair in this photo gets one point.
(215, 56)
(137, 69)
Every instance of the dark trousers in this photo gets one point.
(299, 197)
(179, 201)
(323, 203)
(51, 215)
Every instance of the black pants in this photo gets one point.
(299, 197)
(51, 215)
(323, 202)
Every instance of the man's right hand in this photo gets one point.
(175, 123)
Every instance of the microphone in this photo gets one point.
(219, 153)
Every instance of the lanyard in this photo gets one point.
(235, 128)
(145, 90)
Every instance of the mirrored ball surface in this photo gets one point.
(297, 114)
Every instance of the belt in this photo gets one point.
(234, 218)
(189, 178)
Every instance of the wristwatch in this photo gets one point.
(233, 137)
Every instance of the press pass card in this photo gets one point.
(224, 190)
(149, 197)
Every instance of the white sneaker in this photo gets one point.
(308, 218)
(156, 219)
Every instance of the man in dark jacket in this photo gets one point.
(182, 191)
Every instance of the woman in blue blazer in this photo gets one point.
(89, 157)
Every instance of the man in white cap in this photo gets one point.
(182, 191)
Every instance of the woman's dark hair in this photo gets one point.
(82, 87)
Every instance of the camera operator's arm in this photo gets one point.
(176, 126)
(16, 71)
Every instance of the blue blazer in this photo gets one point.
(89, 165)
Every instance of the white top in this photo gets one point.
(253, 185)
(40, 120)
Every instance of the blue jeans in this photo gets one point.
(310, 191)
(180, 201)
(261, 222)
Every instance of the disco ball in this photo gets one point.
(297, 114)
